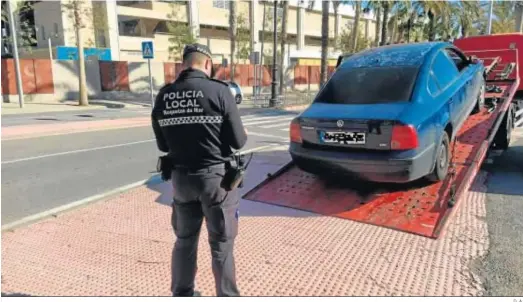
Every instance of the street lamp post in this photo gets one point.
(272, 102)
(489, 25)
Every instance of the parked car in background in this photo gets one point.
(236, 91)
(389, 114)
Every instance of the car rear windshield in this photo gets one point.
(369, 85)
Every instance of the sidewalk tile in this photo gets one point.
(122, 247)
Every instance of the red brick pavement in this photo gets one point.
(122, 247)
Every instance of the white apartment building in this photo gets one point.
(127, 23)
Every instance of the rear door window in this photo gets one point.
(444, 70)
(369, 85)
(433, 85)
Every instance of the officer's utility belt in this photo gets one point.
(234, 170)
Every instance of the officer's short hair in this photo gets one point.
(195, 58)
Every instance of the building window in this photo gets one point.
(43, 32)
(220, 4)
(279, 12)
(55, 29)
(100, 38)
(129, 28)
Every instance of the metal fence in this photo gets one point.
(291, 98)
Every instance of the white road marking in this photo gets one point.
(270, 121)
(275, 125)
(285, 138)
(75, 151)
(261, 118)
(284, 129)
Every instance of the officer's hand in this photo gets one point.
(246, 132)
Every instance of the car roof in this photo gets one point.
(412, 54)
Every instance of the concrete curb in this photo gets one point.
(79, 203)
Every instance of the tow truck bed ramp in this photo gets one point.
(417, 208)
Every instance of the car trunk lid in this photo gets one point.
(355, 126)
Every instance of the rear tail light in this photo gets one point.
(295, 132)
(404, 137)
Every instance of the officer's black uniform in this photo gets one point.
(196, 120)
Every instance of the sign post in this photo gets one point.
(255, 60)
(148, 53)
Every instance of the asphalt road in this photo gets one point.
(39, 174)
(502, 268)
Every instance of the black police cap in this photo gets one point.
(196, 47)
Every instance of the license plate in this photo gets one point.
(342, 138)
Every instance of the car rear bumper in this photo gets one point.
(376, 167)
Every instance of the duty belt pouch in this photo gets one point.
(233, 177)
(165, 166)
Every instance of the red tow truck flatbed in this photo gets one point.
(417, 208)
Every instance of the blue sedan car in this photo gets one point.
(389, 114)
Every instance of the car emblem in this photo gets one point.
(339, 123)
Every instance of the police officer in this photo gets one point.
(196, 120)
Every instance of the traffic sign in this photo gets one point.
(147, 50)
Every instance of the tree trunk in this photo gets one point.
(283, 42)
(356, 27)
(519, 17)
(82, 85)
(392, 38)
(324, 41)
(232, 34)
(336, 6)
(378, 27)
(432, 33)
(385, 22)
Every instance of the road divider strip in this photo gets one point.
(40, 130)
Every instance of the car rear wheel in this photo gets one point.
(442, 162)
(238, 99)
(480, 102)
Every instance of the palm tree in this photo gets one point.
(377, 7)
(324, 41)
(467, 12)
(232, 33)
(283, 42)
(505, 17)
(433, 9)
(356, 27)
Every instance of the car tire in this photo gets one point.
(502, 138)
(442, 160)
(480, 102)
(238, 99)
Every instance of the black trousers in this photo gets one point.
(197, 194)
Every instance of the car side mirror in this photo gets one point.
(473, 60)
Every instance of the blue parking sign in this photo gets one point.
(147, 50)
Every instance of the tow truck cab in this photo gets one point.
(496, 43)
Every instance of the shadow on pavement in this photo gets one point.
(15, 295)
(506, 172)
